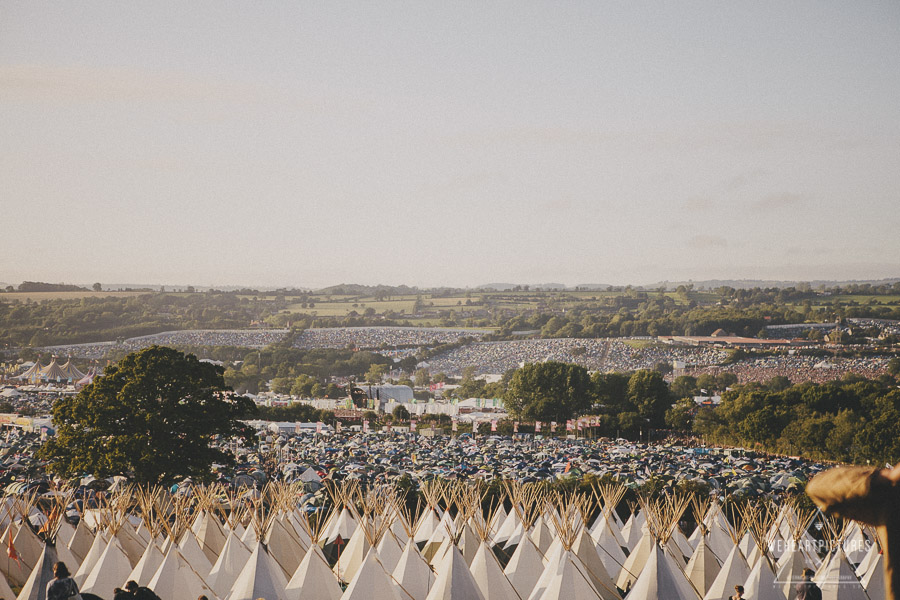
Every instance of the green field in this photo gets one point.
(861, 299)
(640, 344)
(521, 300)
(343, 307)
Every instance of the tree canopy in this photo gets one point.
(852, 420)
(549, 391)
(649, 394)
(152, 417)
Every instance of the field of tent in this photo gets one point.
(357, 543)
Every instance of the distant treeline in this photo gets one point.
(39, 286)
(852, 420)
(106, 319)
(742, 312)
(629, 312)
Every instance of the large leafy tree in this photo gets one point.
(153, 417)
(649, 394)
(549, 391)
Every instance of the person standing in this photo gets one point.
(139, 592)
(807, 589)
(62, 586)
(738, 593)
(871, 496)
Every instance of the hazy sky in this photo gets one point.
(448, 143)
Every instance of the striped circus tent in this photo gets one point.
(71, 371)
(54, 372)
(34, 373)
(88, 378)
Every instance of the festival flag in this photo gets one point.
(580, 425)
(338, 426)
(412, 424)
(537, 426)
(365, 426)
(553, 426)
(319, 427)
(454, 425)
(515, 427)
(493, 425)
(10, 548)
(569, 425)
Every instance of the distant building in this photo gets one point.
(728, 341)
(384, 393)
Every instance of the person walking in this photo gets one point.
(62, 586)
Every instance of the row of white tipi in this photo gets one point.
(369, 546)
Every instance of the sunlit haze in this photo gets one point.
(463, 143)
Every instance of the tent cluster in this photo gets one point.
(460, 542)
(378, 459)
(67, 373)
